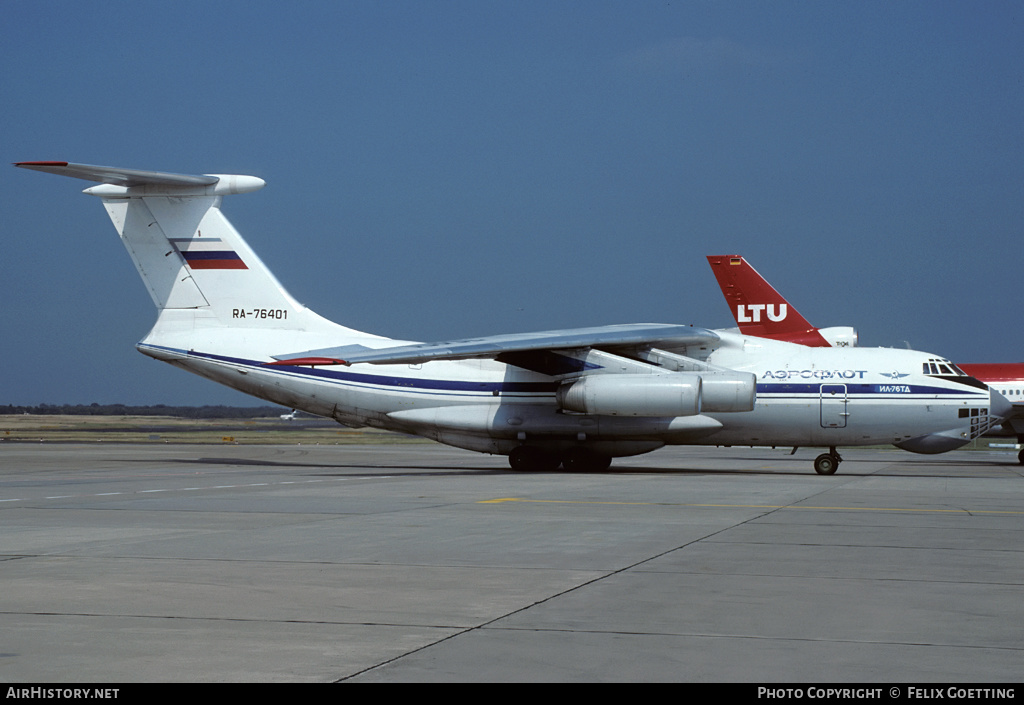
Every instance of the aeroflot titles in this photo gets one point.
(751, 313)
(815, 374)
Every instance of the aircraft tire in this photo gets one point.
(826, 464)
(584, 460)
(1020, 457)
(530, 459)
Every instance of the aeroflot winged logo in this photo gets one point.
(207, 253)
(751, 313)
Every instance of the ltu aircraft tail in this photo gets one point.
(202, 276)
(758, 308)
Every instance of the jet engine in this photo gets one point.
(839, 336)
(672, 394)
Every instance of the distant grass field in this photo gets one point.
(28, 428)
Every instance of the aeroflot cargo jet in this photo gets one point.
(575, 398)
(760, 310)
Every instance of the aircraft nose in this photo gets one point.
(998, 405)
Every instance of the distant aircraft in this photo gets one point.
(761, 311)
(575, 398)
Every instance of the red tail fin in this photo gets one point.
(759, 310)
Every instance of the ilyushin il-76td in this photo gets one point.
(575, 398)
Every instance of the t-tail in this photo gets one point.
(762, 312)
(211, 290)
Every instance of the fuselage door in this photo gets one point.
(833, 406)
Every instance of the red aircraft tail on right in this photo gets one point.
(761, 311)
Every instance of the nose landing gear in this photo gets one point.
(827, 463)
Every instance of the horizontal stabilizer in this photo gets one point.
(660, 335)
(118, 176)
(148, 182)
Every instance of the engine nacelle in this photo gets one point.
(727, 391)
(839, 336)
(670, 394)
(673, 394)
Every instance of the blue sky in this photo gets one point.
(448, 169)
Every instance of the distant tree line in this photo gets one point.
(188, 412)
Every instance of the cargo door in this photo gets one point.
(833, 406)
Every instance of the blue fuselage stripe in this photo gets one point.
(857, 390)
(419, 383)
(767, 391)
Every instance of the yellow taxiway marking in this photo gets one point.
(754, 506)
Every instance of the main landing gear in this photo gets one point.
(827, 463)
(579, 459)
(531, 458)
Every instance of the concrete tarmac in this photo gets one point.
(186, 563)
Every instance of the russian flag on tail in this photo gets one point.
(207, 253)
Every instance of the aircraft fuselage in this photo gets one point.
(820, 397)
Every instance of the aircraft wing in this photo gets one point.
(660, 335)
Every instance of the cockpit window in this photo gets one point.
(939, 367)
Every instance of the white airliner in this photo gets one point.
(577, 397)
(760, 310)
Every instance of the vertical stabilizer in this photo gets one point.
(191, 257)
(758, 308)
(154, 250)
(200, 273)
